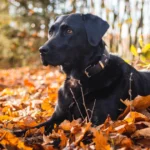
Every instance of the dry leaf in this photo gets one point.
(135, 116)
(142, 133)
(100, 141)
(124, 142)
(141, 102)
(63, 139)
(79, 136)
(65, 125)
(30, 100)
(126, 102)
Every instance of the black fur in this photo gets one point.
(74, 52)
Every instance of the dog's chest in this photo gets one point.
(72, 88)
(74, 94)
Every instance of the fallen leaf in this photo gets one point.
(63, 139)
(135, 116)
(100, 141)
(65, 125)
(142, 133)
(79, 136)
(141, 102)
(126, 102)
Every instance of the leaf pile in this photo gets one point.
(27, 98)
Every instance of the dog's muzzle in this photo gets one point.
(43, 50)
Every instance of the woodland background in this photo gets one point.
(24, 26)
(28, 91)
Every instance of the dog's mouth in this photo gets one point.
(45, 63)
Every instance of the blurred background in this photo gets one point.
(24, 27)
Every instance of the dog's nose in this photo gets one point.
(43, 49)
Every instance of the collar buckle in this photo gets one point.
(101, 64)
(86, 72)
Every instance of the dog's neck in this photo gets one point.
(89, 65)
(97, 67)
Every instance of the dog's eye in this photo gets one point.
(69, 31)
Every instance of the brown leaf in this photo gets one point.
(63, 139)
(141, 102)
(125, 142)
(143, 142)
(100, 141)
(142, 124)
(135, 116)
(48, 147)
(126, 111)
(46, 140)
(65, 125)
(142, 133)
(79, 136)
(29, 122)
(126, 102)
(75, 129)
(146, 113)
(127, 128)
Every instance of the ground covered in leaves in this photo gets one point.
(28, 97)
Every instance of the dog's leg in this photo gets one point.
(58, 116)
(48, 127)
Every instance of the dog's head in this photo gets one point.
(71, 38)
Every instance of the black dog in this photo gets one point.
(93, 75)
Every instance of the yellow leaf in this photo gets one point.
(134, 50)
(140, 41)
(146, 48)
(8, 91)
(119, 25)
(5, 117)
(127, 61)
(46, 105)
(129, 20)
(135, 116)
(8, 139)
(143, 58)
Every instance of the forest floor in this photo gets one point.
(28, 97)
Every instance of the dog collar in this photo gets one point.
(94, 69)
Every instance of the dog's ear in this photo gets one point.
(95, 28)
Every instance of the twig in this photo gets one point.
(84, 104)
(76, 103)
(130, 90)
(93, 110)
